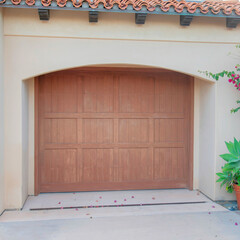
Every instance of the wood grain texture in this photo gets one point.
(113, 130)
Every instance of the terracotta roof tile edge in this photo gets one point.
(214, 7)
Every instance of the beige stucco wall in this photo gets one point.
(207, 137)
(30, 116)
(34, 47)
(227, 125)
(1, 116)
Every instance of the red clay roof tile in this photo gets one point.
(214, 7)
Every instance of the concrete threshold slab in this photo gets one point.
(112, 198)
(85, 213)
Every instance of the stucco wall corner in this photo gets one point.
(227, 126)
(1, 116)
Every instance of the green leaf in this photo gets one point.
(228, 157)
(224, 182)
(229, 189)
(235, 160)
(237, 146)
(231, 148)
(221, 74)
(231, 166)
(220, 180)
(234, 110)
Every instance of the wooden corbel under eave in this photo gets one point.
(93, 16)
(232, 22)
(185, 20)
(140, 18)
(44, 14)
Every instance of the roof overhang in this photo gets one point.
(185, 9)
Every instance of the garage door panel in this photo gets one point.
(134, 165)
(60, 130)
(113, 131)
(96, 165)
(45, 94)
(64, 95)
(133, 130)
(136, 95)
(170, 93)
(59, 166)
(169, 163)
(97, 131)
(136, 103)
(96, 94)
(169, 130)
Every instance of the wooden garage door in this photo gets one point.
(101, 130)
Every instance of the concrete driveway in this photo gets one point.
(168, 226)
(204, 220)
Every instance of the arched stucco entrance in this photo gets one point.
(113, 129)
(198, 168)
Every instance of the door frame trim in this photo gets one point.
(36, 135)
(191, 135)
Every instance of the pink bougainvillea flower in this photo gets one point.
(235, 66)
(132, 196)
(235, 85)
(233, 75)
(115, 201)
(59, 203)
(125, 199)
(233, 82)
(236, 224)
(230, 80)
